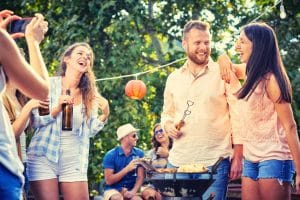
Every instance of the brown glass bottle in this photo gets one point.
(67, 115)
(44, 111)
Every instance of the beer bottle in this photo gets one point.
(67, 115)
(43, 111)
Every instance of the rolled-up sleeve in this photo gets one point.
(94, 124)
(39, 121)
(168, 112)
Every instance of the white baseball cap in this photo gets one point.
(125, 130)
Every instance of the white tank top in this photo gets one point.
(8, 149)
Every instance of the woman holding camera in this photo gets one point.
(17, 105)
(15, 69)
(58, 159)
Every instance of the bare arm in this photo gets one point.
(139, 180)
(15, 67)
(285, 114)
(111, 177)
(20, 123)
(19, 71)
(104, 107)
(236, 162)
(34, 34)
(226, 66)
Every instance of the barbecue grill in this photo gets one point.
(174, 185)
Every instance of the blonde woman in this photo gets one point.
(58, 159)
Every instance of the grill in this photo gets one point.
(177, 185)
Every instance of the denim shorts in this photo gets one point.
(10, 185)
(283, 170)
(219, 186)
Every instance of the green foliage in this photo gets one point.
(131, 36)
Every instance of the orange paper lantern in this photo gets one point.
(135, 89)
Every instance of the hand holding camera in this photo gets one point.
(6, 17)
(32, 27)
(36, 28)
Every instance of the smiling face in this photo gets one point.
(244, 47)
(197, 46)
(80, 59)
(160, 135)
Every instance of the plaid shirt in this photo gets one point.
(46, 139)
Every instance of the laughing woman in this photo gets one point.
(271, 144)
(58, 159)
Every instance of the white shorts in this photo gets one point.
(66, 170)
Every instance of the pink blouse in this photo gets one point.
(263, 133)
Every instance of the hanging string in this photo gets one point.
(267, 10)
(276, 2)
(141, 73)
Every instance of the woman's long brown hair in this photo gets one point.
(87, 83)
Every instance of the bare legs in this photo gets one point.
(265, 189)
(45, 189)
(49, 190)
(75, 190)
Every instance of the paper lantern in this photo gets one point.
(135, 89)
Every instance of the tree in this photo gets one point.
(131, 36)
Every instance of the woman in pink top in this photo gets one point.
(271, 144)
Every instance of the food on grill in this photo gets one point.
(166, 170)
(192, 168)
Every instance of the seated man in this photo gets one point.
(123, 176)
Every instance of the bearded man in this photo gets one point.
(196, 97)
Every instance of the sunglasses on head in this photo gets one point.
(159, 131)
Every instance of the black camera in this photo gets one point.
(18, 26)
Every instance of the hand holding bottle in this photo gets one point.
(133, 164)
(7, 16)
(43, 107)
(172, 131)
(64, 99)
(36, 29)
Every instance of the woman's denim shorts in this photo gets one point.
(283, 170)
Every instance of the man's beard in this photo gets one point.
(193, 57)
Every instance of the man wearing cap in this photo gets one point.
(123, 176)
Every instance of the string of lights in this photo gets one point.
(276, 3)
